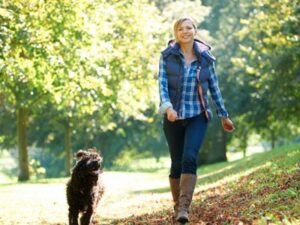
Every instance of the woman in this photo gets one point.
(186, 72)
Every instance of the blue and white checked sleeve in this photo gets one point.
(163, 87)
(215, 92)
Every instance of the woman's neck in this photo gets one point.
(186, 48)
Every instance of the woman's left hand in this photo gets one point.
(227, 125)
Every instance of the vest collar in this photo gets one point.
(198, 46)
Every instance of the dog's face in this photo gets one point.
(88, 163)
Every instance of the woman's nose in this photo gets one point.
(185, 30)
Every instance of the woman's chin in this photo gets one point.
(186, 41)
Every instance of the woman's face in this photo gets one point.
(185, 32)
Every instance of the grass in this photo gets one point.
(260, 189)
(44, 202)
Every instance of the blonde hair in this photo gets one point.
(179, 22)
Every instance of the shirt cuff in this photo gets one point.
(163, 107)
(222, 114)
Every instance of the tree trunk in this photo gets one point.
(273, 139)
(244, 152)
(68, 149)
(223, 156)
(22, 120)
(244, 144)
(218, 151)
(214, 147)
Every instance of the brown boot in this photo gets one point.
(187, 186)
(175, 190)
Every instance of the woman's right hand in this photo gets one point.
(171, 114)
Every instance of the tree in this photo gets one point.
(26, 70)
(269, 43)
(257, 74)
(41, 45)
(222, 23)
(78, 59)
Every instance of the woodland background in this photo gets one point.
(81, 74)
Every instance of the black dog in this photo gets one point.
(85, 188)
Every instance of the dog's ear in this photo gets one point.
(80, 153)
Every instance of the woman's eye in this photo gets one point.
(185, 28)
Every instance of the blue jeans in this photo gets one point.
(184, 139)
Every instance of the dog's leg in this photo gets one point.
(73, 216)
(86, 218)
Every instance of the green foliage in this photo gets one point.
(133, 161)
(257, 63)
(28, 45)
(86, 66)
(173, 10)
(86, 73)
(270, 54)
(8, 168)
(36, 170)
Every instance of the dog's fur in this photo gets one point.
(85, 188)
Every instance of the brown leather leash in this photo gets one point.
(200, 91)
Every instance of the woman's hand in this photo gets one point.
(171, 114)
(227, 125)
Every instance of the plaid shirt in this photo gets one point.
(190, 104)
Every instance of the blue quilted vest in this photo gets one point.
(175, 70)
